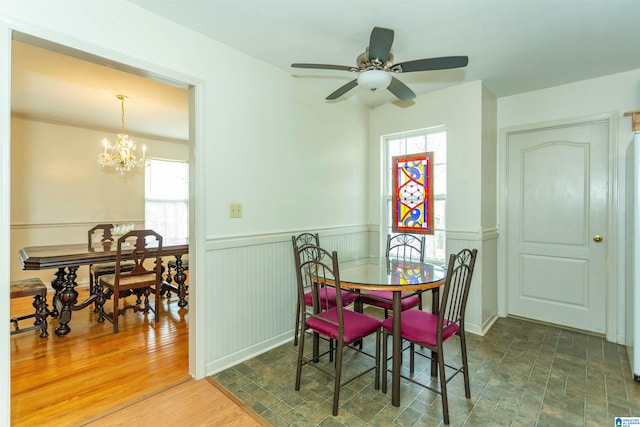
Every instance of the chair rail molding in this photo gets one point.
(227, 242)
(82, 224)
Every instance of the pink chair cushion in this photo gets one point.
(420, 327)
(407, 303)
(356, 325)
(330, 295)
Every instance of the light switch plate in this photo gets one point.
(235, 210)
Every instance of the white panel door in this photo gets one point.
(556, 209)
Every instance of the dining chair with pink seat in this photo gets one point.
(348, 297)
(317, 270)
(431, 330)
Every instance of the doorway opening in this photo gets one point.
(70, 55)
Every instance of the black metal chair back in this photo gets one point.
(455, 291)
(299, 241)
(405, 246)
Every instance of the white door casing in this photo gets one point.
(557, 201)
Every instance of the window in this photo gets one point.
(166, 207)
(435, 140)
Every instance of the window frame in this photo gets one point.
(437, 241)
(181, 202)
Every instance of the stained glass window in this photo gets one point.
(413, 193)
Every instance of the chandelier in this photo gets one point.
(121, 153)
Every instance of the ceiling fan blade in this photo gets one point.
(401, 90)
(343, 89)
(380, 44)
(324, 67)
(428, 64)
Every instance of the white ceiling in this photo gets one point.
(47, 84)
(513, 46)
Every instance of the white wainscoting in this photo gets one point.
(252, 291)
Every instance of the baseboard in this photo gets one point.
(233, 359)
(481, 329)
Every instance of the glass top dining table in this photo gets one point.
(399, 276)
(390, 274)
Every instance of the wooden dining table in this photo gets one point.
(401, 277)
(67, 258)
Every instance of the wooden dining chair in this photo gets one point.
(399, 247)
(347, 296)
(100, 237)
(317, 270)
(35, 288)
(143, 248)
(431, 331)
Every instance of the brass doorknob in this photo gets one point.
(597, 238)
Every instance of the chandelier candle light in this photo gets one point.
(121, 154)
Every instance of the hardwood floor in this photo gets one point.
(71, 380)
(204, 402)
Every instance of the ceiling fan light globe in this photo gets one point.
(374, 79)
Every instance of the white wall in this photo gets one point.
(260, 138)
(293, 160)
(609, 95)
(468, 111)
(488, 248)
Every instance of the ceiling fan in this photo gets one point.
(375, 67)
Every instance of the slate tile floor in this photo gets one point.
(522, 374)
